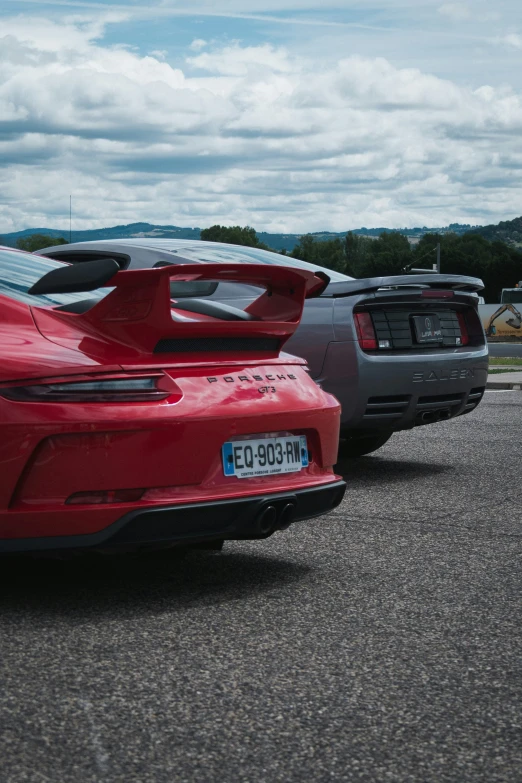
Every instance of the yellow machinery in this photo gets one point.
(515, 322)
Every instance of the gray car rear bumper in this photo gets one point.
(395, 391)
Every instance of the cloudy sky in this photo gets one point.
(288, 115)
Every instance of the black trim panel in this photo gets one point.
(217, 344)
(184, 523)
(81, 256)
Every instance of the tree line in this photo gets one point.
(35, 242)
(497, 264)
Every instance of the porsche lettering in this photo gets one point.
(251, 379)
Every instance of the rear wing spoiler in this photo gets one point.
(434, 281)
(138, 312)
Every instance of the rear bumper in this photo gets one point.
(399, 391)
(242, 518)
(164, 454)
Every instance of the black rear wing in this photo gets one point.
(455, 283)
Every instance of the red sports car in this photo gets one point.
(126, 423)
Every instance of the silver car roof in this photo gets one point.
(199, 251)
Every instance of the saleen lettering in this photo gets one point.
(443, 375)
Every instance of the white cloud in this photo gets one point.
(198, 44)
(239, 60)
(243, 134)
(456, 11)
(513, 39)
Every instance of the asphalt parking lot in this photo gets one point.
(382, 643)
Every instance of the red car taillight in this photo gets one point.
(365, 331)
(113, 389)
(464, 336)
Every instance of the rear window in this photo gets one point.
(19, 271)
(230, 254)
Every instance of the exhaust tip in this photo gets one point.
(286, 517)
(266, 519)
(430, 417)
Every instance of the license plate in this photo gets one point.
(427, 328)
(264, 456)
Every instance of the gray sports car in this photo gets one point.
(396, 351)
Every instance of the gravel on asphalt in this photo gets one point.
(380, 643)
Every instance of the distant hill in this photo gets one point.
(508, 231)
(115, 232)
(276, 241)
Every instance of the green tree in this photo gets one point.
(233, 235)
(497, 264)
(328, 253)
(389, 254)
(38, 242)
(357, 251)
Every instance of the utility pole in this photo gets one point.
(70, 218)
(436, 266)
